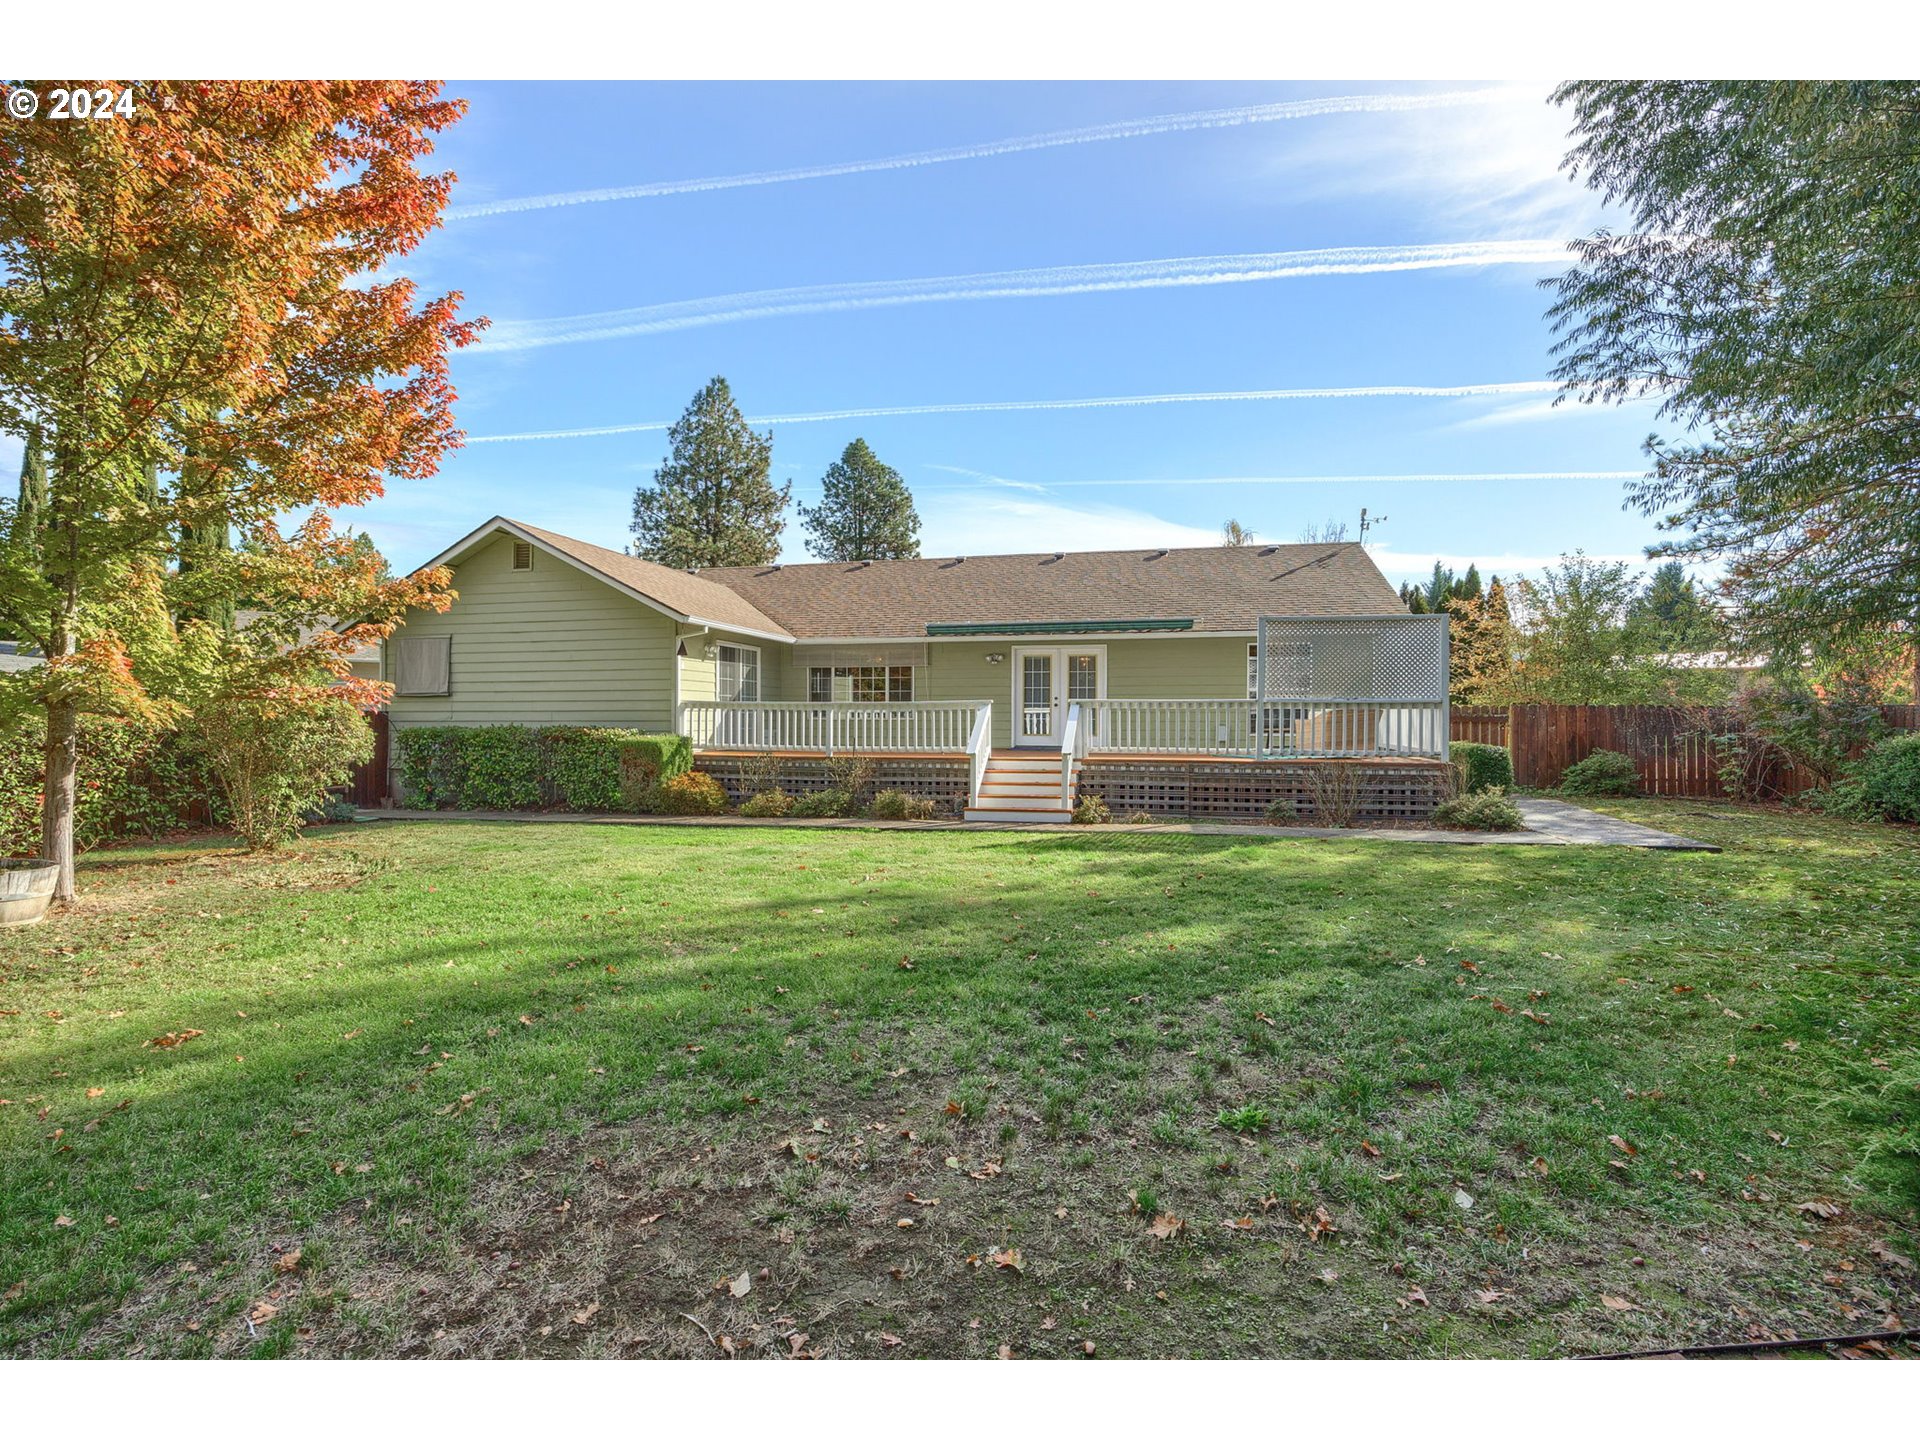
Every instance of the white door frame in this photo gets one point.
(1058, 708)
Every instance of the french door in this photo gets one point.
(1048, 679)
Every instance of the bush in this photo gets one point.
(1140, 817)
(898, 805)
(1604, 772)
(1481, 767)
(1282, 810)
(133, 779)
(692, 792)
(1092, 810)
(855, 775)
(335, 810)
(1884, 784)
(768, 804)
(648, 759)
(1481, 810)
(823, 805)
(527, 767)
(276, 758)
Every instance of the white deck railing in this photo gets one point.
(859, 727)
(1251, 729)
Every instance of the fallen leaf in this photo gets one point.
(903, 1224)
(1086, 1347)
(1491, 1297)
(1328, 1276)
(262, 1311)
(289, 1262)
(914, 1199)
(1540, 1164)
(740, 1285)
(1414, 1296)
(94, 1092)
(1245, 1222)
(62, 1221)
(581, 1317)
(1165, 1227)
(890, 1342)
(1006, 1352)
(1370, 1150)
(1823, 1209)
(173, 1038)
(1622, 1146)
(1462, 1199)
(1008, 1259)
(1615, 1302)
(1878, 1249)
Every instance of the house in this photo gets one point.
(1161, 679)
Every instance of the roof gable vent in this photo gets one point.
(522, 555)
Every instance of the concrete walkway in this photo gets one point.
(1549, 822)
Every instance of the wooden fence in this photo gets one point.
(1672, 746)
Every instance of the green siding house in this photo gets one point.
(1008, 672)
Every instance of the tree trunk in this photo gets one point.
(56, 814)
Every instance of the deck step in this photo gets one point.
(1052, 801)
(1018, 817)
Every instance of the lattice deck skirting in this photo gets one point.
(941, 777)
(1212, 789)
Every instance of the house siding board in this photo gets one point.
(547, 646)
(696, 671)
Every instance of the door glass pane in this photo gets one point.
(1036, 679)
(1083, 677)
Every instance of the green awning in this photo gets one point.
(1058, 627)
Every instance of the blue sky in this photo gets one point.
(612, 311)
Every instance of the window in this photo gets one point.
(422, 664)
(1289, 668)
(736, 673)
(522, 555)
(868, 684)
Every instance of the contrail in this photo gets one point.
(1014, 284)
(1427, 479)
(1099, 402)
(1227, 118)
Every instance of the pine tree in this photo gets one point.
(865, 511)
(712, 502)
(33, 482)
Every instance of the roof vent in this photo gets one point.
(1158, 553)
(865, 563)
(1271, 550)
(1059, 554)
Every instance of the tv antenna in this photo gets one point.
(1365, 523)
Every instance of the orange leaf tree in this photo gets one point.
(199, 327)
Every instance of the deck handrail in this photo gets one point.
(979, 749)
(1069, 743)
(831, 727)
(1275, 726)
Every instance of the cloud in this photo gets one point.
(1007, 524)
(1185, 270)
(1491, 168)
(1101, 402)
(1229, 117)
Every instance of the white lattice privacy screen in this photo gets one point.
(1367, 684)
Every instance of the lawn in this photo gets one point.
(442, 1089)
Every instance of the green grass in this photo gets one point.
(461, 1068)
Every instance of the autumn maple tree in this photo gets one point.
(200, 328)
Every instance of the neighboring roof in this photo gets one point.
(363, 654)
(12, 661)
(1218, 588)
(683, 595)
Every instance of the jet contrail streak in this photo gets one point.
(1014, 284)
(1221, 119)
(1102, 402)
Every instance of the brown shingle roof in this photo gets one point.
(692, 595)
(1218, 588)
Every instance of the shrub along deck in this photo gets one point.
(400, 1091)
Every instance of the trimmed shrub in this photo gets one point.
(529, 767)
(1140, 817)
(1282, 810)
(1481, 810)
(692, 792)
(854, 774)
(1604, 772)
(582, 765)
(768, 804)
(898, 805)
(823, 805)
(645, 759)
(1092, 810)
(1481, 767)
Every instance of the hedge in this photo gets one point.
(1481, 767)
(532, 767)
(133, 779)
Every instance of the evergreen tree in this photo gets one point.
(33, 482)
(712, 502)
(865, 511)
(1674, 609)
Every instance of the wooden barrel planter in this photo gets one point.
(26, 889)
